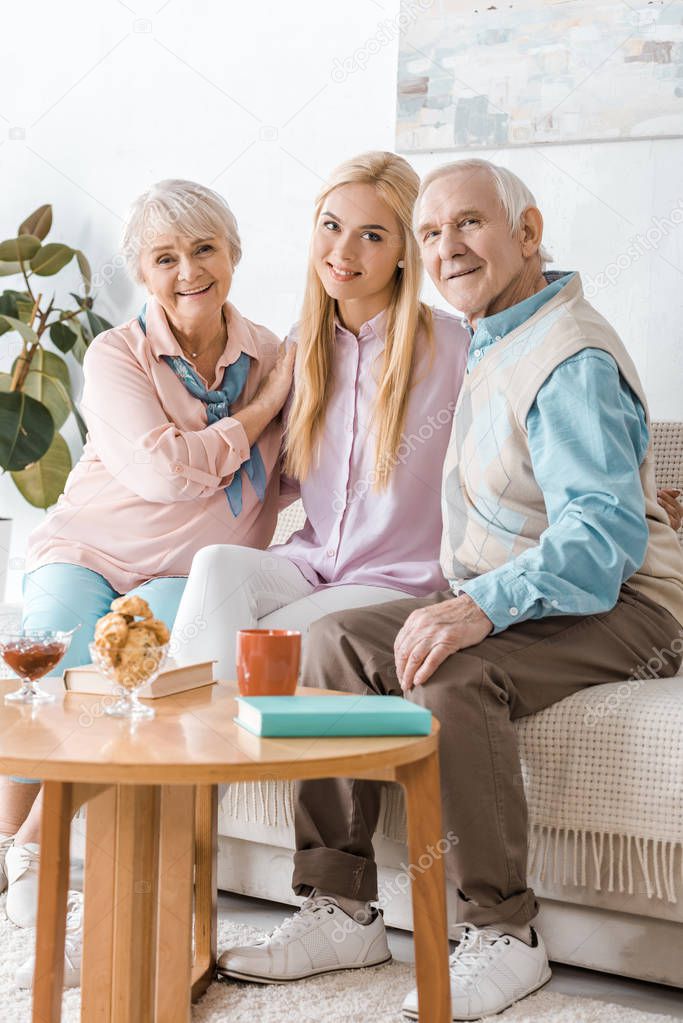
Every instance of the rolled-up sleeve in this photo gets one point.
(134, 438)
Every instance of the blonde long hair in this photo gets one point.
(397, 185)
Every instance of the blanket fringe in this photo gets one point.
(562, 855)
(268, 802)
(614, 865)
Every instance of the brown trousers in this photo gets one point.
(475, 694)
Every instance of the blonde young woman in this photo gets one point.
(376, 381)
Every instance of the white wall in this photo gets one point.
(248, 98)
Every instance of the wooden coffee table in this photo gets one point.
(151, 790)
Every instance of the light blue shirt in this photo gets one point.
(587, 439)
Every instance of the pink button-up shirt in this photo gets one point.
(391, 537)
(148, 491)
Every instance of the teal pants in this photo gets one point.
(61, 596)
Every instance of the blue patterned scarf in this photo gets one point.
(217, 407)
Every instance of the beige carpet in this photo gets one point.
(368, 996)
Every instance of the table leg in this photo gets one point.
(98, 921)
(176, 861)
(52, 891)
(135, 909)
(423, 806)
(205, 904)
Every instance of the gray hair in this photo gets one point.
(514, 195)
(183, 206)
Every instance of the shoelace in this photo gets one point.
(74, 912)
(474, 952)
(300, 922)
(74, 925)
(27, 858)
(73, 939)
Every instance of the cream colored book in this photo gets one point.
(173, 678)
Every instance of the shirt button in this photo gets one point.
(555, 603)
(330, 552)
(177, 468)
(514, 611)
(477, 353)
(499, 337)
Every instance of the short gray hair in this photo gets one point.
(514, 195)
(183, 206)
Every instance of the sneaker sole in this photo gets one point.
(409, 1014)
(236, 975)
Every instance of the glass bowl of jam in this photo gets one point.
(32, 654)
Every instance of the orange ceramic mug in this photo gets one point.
(268, 661)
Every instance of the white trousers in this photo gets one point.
(231, 588)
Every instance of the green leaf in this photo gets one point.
(51, 259)
(24, 309)
(97, 323)
(80, 423)
(42, 482)
(26, 430)
(82, 301)
(9, 299)
(86, 272)
(63, 337)
(8, 269)
(17, 304)
(28, 333)
(8, 307)
(85, 330)
(24, 247)
(83, 339)
(48, 382)
(39, 223)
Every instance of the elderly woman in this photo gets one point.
(182, 406)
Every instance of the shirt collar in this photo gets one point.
(494, 328)
(162, 341)
(375, 327)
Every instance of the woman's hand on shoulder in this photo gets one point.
(275, 388)
(270, 396)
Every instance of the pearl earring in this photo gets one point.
(400, 264)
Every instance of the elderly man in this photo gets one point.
(549, 507)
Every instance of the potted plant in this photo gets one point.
(35, 397)
(5, 536)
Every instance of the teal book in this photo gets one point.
(318, 716)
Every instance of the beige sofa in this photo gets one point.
(603, 775)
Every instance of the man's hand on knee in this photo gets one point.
(433, 633)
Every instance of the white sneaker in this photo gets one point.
(73, 946)
(320, 938)
(5, 842)
(489, 972)
(21, 867)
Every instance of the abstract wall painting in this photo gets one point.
(521, 72)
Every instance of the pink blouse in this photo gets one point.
(148, 490)
(354, 533)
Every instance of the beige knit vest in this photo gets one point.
(493, 508)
